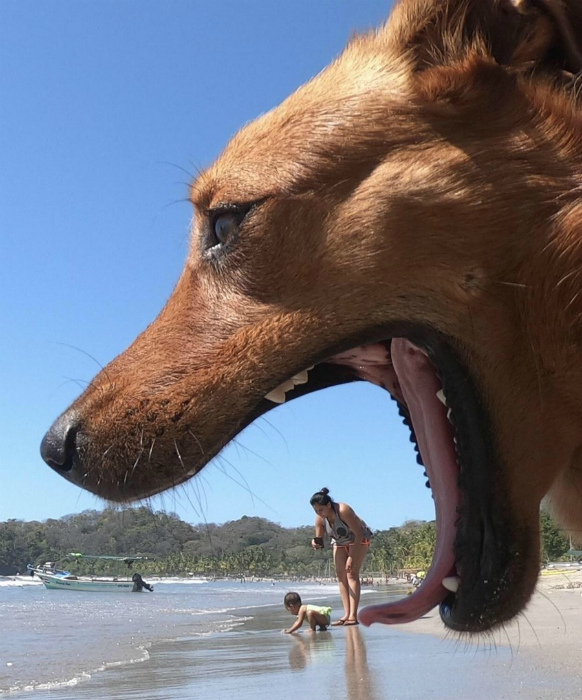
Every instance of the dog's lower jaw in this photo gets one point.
(497, 574)
(494, 583)
(481, 553)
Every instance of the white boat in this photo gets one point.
(56, 579)
(86, 583)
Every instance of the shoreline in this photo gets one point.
(536, 657)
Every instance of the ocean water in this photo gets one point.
(222, 640)
(57, 639)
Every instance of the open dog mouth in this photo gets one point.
(478, 575)
(484, 566)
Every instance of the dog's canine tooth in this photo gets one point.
(441, 397)
(451, 583)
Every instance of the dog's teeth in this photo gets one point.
(441, 396)
(449, 414)
(451, 583)
(300, 378)
(277, 395)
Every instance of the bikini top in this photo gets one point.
(339, 532)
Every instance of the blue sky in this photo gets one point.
(106, 107)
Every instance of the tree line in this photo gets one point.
(244, 547)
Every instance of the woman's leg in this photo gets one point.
(354, 562)
(340, 558)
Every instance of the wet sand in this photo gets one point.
(538, 657)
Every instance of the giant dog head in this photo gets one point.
(410, 217)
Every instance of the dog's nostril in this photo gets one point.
(58, 446)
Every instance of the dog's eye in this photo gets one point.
(224, 226)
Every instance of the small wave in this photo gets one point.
(19, 581)
(80, 677)
(216, 627)
(181, 581)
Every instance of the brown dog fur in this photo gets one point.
(430, 175)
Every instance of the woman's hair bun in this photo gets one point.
(321, 498)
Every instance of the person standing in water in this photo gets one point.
(350, 537)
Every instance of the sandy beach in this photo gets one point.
(537, 657)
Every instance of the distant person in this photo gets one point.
(316, 615)
(139, 584)
(418, 578)
(350, 537)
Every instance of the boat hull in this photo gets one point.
(86, 584)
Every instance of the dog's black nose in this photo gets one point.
(58, 446)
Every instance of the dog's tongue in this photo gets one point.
(419, 385)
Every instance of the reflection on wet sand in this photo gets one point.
(359, 682)
(315, 648)
(310, 648)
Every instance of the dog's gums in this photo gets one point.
(410, 217)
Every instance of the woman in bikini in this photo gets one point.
(350, 537)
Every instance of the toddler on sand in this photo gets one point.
(317, 616)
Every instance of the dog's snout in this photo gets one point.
(58, 447)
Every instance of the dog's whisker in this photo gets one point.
(185, 471)
(247, 450)
(517, 285)
(198, 170)
(243, 484)
(525, 617)
(573, 300)
(571, 274)
(509, 643)
(557, 609)
(178, 167)
(136, 462)
(91, 357)
(201, 508)
(78, 382)
(151, 450)
(197, 441)
(257, 424)
(180, 200)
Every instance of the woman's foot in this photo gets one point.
(348, 622)
(337, 623)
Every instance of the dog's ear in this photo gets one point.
(519, 33)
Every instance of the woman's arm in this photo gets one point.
(319, 531)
